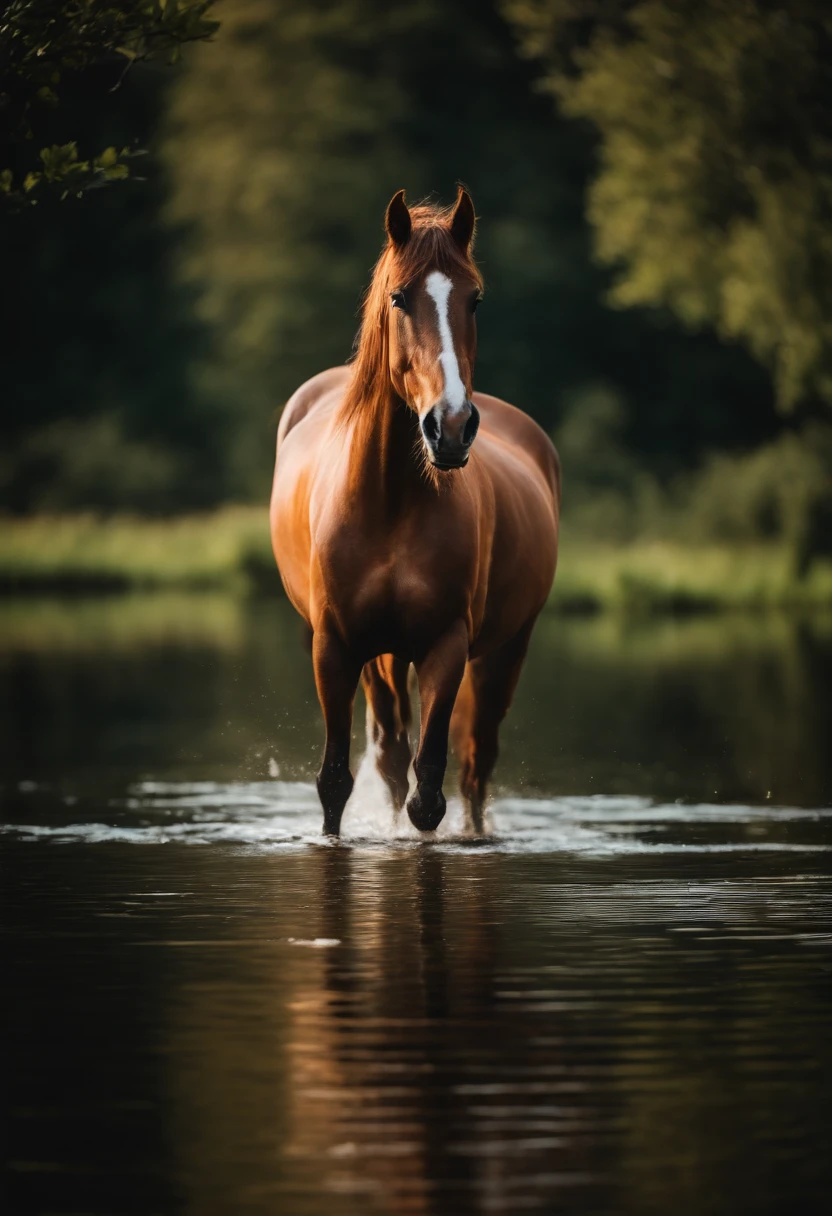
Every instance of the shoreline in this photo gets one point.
(228, 550)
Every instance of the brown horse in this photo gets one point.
(400, 540)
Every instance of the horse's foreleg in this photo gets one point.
(439, 673)
(336, 678)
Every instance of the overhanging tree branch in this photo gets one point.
(45, 43)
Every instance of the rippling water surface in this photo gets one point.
(619, 1000)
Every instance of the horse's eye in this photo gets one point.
(398, 301)
(475, 301)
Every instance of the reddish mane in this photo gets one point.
(430, 247)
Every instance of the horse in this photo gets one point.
(415, 522)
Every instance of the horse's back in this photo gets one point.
(522, 469)
(313, 396)
(520, 432)
(305, 421)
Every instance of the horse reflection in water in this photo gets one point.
(383, 1075)
(375, 1041)
(391, 1092)
(415, 521)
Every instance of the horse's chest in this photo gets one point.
(397, 593)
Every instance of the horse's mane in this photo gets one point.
(431, 246)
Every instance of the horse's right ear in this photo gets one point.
(397, 220)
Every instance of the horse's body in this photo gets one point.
(391, 563)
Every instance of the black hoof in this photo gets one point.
(426, 810)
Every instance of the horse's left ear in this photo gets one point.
(463, 220)
(397, 220)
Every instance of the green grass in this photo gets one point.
(666, 576)
(229, 549)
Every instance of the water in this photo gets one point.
(618, 1001)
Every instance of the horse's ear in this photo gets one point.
(463, 220)
(397, 220)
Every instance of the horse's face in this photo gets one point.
(432, 336)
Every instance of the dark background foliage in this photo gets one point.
(152, 330)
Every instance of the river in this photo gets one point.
(618, 1001)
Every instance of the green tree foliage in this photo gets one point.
(47, 44)
(152, 335)
(288, 134)
(96, 339)
(779, 491)
(714, 191)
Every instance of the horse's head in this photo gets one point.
(432, 288)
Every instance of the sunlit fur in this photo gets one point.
(431, 245)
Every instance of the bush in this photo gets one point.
(781, 492)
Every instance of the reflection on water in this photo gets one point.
(470, 1033)
(616, 1003)
(732, 708)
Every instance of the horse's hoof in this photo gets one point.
(426, 810)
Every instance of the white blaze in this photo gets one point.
(439, 288)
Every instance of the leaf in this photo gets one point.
(106, 159)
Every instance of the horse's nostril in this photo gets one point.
(431, 427)
(471, 426)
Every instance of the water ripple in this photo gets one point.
(285, 816)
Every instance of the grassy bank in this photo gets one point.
(665, 576)
(229, 549)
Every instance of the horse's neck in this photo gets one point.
(385, 458)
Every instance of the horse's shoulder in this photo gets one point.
(516, 427)
(311, 394)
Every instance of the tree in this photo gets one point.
(45, 46)
(286, 137)
(714, 191)
(150, 336)
(96, 338)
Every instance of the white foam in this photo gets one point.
(316, 943)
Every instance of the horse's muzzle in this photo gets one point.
(448, 436)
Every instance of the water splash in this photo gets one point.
(286, 815)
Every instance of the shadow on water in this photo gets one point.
(616, 1004)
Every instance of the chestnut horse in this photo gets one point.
(415, 521)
